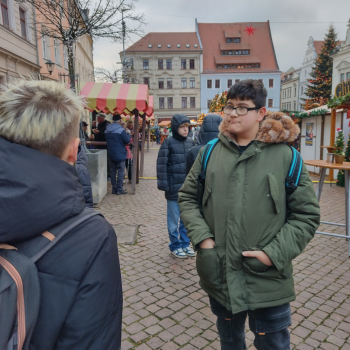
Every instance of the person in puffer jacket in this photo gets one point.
(171, 174)
(84, 176)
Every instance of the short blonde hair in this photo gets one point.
(43, 115)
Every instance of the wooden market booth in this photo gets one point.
(123, 99)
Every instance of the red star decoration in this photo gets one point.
(250, 30)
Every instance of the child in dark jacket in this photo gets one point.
(171, 174)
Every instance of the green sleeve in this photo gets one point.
(300, 227)
(197, 228)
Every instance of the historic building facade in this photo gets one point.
(18, 44)
(290, 90)
(169, 63)
(234, 52)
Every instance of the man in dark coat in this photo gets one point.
(117, 139)
(84, 176)
(99, 132)
(171, 174)
(209, 131)
(80, 282)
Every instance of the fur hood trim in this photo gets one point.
(276, 127)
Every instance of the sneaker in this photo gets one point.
(179, 253)
(189, 251)
(121, 192)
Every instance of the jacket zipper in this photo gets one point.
(14, 274)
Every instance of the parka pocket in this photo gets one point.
(274, 192)
(209, 267)
(254, 266)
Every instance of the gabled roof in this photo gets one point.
(213, 37)
(165, 39)
(318, 46)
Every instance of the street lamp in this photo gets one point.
(50, 66)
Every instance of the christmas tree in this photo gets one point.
(339, 143)
(340, 177)
(320, 83)
(218, 102)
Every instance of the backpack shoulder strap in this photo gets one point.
(207, 153)
(293, 177)
(38, 246)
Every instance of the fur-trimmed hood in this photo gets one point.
(276, 127)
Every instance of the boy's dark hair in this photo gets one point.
(249, 89)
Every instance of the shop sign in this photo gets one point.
(342, 89)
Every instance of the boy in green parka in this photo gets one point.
(249, 234)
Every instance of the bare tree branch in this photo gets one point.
(104, 75)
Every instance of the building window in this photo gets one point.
(5, 13)
(146, 81)
(161, 83)
(160, 64)
(192, 102)
(145, 64)
(209, 84)
(245, 52)
(271, 83)
(169, 83)
(229, 83)
(295, 92)
(342, 77)
(191, 64)
(22, 16)
(270, 103)
(192, 83)
(233, 40)
(208, 103)
(183, 83)
(168, 64)
(56, 47)
(237, 81)
(184, 102)
(238, 66)
(233, 52)
(217, 83)
(170, 103)
(183, 64)
(295, 106)
(302, 90)
(45, 42)
(161, 102)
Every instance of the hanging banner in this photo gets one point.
(309, 137)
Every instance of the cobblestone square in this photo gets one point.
(164, 307)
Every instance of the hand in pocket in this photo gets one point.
(260, 255)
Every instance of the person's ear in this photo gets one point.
(71, 152)
(261, 114)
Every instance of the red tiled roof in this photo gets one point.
(318, 46)
(236, 59)
(260, 45)
(165, 39)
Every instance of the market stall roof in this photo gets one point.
(116, 98)
(323, 107)
(164, 123)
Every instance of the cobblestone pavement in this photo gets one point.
(164, 307)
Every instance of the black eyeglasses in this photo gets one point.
(239, 110)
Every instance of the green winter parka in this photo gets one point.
(244, 208)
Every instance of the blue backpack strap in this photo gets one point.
(207, 152)
(293, 177)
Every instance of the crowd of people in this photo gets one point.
(63, 287)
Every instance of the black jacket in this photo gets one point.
(171, 162)
(209, 131)
(84, 176)
(80, 281)
(116, 138)
(101, 135)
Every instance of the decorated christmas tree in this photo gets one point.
(218, 102)
(339, 143)
(340, 177)
(320, 83)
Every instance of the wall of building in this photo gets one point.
(137, 74)
(289, 94)
(208, 94)
(18, 52)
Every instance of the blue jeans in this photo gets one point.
(177, 232)
(117, 167)
(269, 326)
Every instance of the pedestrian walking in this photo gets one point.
(171, 174)
(117, 139)
(250, 230)
(63, 258)
(208, 131)
(157, 133)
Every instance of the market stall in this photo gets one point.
(123, 99)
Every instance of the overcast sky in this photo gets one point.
(292, 23)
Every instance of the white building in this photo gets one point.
(290, 90)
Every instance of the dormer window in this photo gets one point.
(159, 46)
(235, 52)
(187, 45)
(195, 45)
(178, 45)
(150, 45)
(233, 40)
(169, 46)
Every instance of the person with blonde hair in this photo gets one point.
(79, 277)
